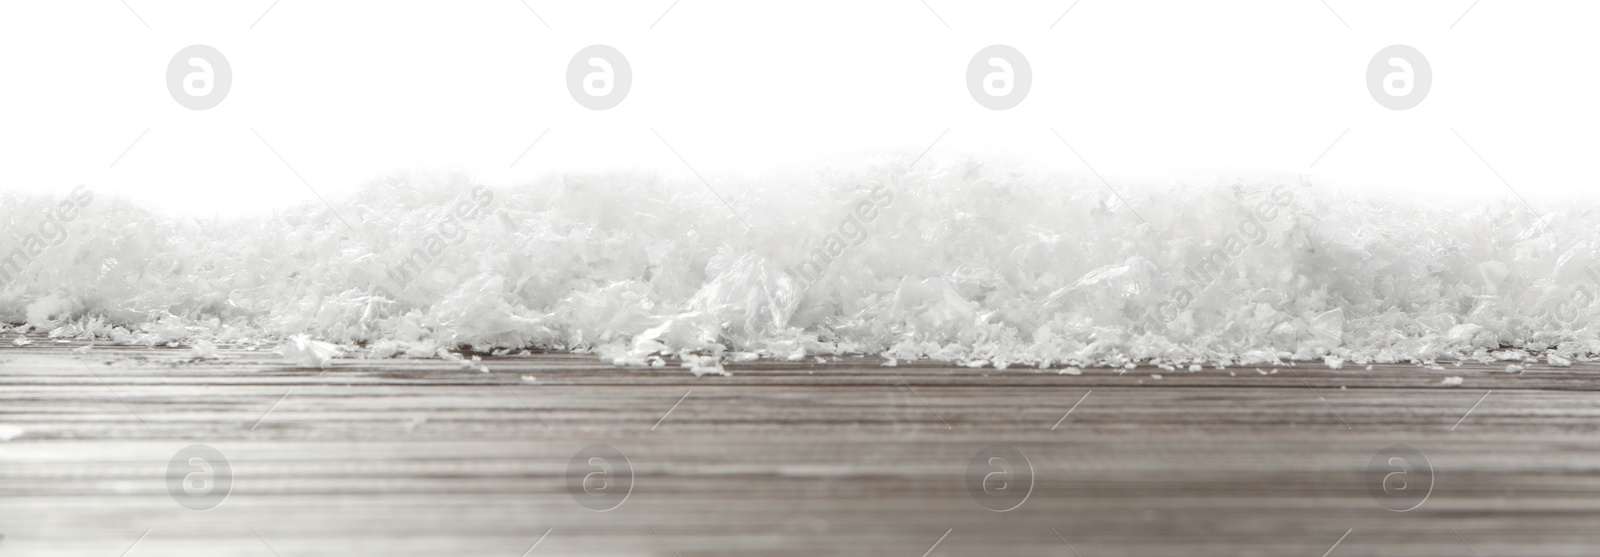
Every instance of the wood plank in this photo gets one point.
(847, 457)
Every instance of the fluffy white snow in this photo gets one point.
(962, 261)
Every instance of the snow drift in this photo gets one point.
(959, 261)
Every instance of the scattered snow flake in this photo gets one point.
(9, 432)
(21, 340)
(1195, 368)
(301, 351)
(1452, 381)
(1514, 368)
(704, 365)
(1071, 370)
(384, 349)
(1557, 360)
(529, 379)
(203, 350)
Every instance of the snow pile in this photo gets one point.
(957, 261)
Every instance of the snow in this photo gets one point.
(203, 349)
(966, 261)
(1452, 381)
(301, 351)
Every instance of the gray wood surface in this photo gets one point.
(848, 457)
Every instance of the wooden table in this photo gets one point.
(847, 457)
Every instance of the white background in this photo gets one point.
(1143, 89)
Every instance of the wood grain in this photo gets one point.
(847, 457)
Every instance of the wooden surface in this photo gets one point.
(844, 458)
